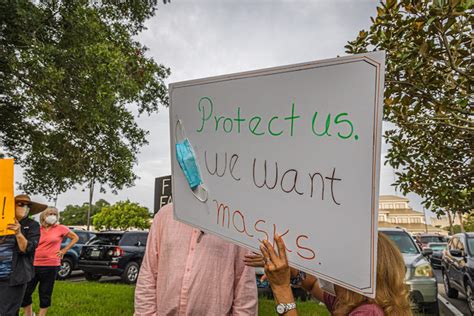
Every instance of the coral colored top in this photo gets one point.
(46, 254)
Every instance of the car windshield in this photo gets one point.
(105, 239)
(438, 247)
(470, 245)
(428, 239)
(403, 241)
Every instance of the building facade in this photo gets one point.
(394, 211)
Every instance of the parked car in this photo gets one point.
(71, 258)
(424, 239)
(265, 290)
(263, 287)
(458, 268)
(419, 274)
(437, 256)
(114, 253)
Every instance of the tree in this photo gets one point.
(428, 83)
(122, 215)
(468, 223)
(71, 77)
(76, 215)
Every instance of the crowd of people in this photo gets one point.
(185, 271)
(31, 256)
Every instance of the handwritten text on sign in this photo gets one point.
(291, 150)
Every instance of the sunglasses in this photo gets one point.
(21, 204)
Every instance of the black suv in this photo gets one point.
(458, 267)
(114, 253)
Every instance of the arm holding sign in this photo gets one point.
(278, 273)
(391, 297)
(20, 239)
(309, 282)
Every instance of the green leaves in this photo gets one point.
(429, 82)
(75, 215)
(70, 75)
(122, 215)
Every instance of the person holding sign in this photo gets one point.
(47, 260)
(391, 296)
(17, 253)
(187, 272)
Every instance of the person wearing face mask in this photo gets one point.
(47, 260)
(17, 253)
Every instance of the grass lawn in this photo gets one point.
(94, 299)
(267, 307)
(89, 298)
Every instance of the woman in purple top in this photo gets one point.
(391, 297)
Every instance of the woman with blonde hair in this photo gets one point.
(47, 259)
(391, 297)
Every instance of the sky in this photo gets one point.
(198, 39)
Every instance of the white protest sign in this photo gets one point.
(293, 150)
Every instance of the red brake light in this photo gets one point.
(118, 252)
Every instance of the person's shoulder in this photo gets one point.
(166, 210)
(164, 214)
(31, 223)
(368, 310)
(62, 229)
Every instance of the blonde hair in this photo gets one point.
(43, 215)
(391, 294)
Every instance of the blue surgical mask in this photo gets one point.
(187, 161)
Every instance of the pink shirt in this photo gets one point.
(49, 245)
(185, 273)
(362, 310)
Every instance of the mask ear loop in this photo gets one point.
(197, 192)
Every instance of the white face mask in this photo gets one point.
(51, 219)
(27, 210)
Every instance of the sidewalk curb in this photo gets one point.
(449, 306)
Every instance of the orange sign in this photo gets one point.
(7, 199)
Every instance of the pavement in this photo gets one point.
(450, 306)
(78, 276)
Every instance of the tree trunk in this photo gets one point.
(426, 225)
(56, 199)
(450, 223)
(461, 222)
(89, 211)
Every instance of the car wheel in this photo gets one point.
(470, 297)
(450, 292)
(130, 274)
(92, 277)
(65, 269)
